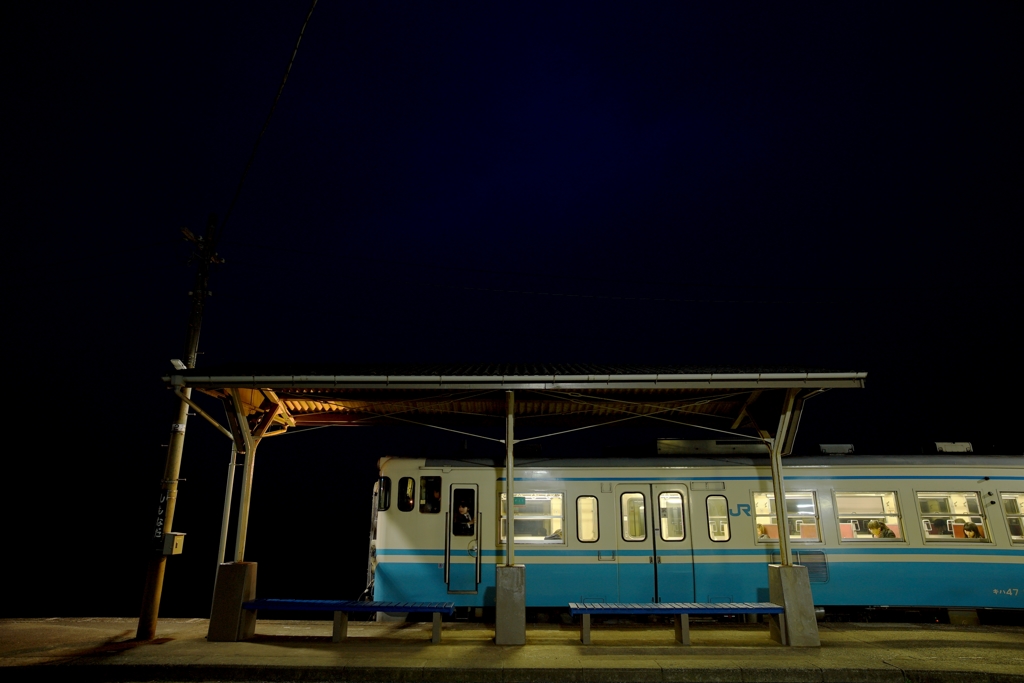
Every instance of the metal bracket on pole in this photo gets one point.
(202, 413)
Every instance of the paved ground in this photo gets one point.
(102, 649)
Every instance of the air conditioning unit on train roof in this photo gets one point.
(711, 447)
(954, 447)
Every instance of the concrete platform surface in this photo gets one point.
(102, 649)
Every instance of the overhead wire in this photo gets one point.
(266, 123)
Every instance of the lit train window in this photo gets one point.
(634, 517)
(952, 516)
(406, 494)
(718, 519)
(1013, 506)
(430, 495)
(670, 509)
(801, 515)
(384, 493)
(539, 518)
(587, 530)
(873, 516)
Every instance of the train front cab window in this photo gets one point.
(384, 493)
(406, 494)
(540, 517)
(801, 512)
(1013, 506)
(718, 519)
(952, 516)
(587, 527)
(867, 516)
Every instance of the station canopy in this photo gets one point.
(275, 398)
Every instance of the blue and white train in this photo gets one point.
(947, 532)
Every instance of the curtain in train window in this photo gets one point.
(430, 495)
(718, 519)
(539, 517)
(952, 516)
(634, 517)
(801, 513)
(406, 494)
(670, 509)
(587, 530)
(873, 516)
(384, 493)
(1013, 506)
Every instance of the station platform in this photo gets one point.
(102, 649)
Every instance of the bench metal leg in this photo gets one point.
(340, 627)
(585, 630)
(683, 629)
(435, 636)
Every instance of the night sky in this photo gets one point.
(814, 185)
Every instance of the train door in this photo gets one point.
(655, 558)
(673, 543)
(462, 539)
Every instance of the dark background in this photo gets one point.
(809, 185)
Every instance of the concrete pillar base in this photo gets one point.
(236, 583)
(510, 605)
(790, 587)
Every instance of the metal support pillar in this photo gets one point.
(222, 547)
(510, 579)
(510, 475)
(778, 485)
(246, 495)
(789, 584)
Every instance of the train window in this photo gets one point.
(634, 517)
(801, 514)
(718, 519)
(873, 516)
(587, 530)
(430, 495)
(1013, 506)
(463, 512)
(952, 516)
(384, 493)
(670, 509)
(406, 493)
(539, 518)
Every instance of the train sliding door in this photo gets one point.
(462, 540)
(655, 558)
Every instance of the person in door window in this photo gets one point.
(879, 529)
(463, 525)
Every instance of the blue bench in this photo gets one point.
(680, 610)
(342, 608)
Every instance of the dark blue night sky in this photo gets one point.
(598, 182)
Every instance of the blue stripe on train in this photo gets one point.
(891, 583)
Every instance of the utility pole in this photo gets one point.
(205, 254)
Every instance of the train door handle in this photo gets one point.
(659, 559)
(650, 560)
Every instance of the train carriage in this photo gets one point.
(929, 531)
